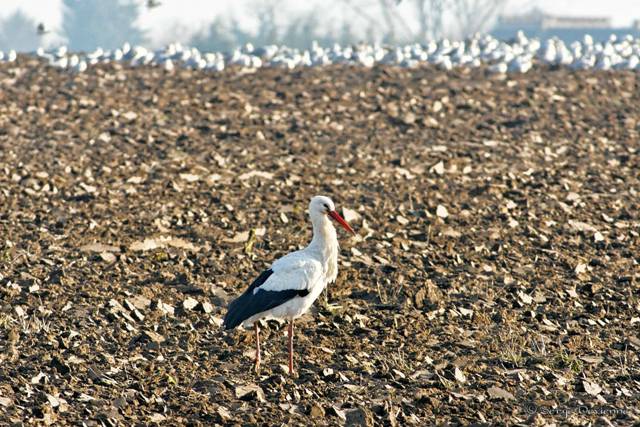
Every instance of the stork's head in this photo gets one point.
(322, 206)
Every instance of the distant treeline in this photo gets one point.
(89, 24)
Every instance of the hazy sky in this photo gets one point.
(192, 15)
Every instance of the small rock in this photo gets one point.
(499, 393)
(152, 336)
(327, 372)
(581, 226)
(402, 220)
(350, 215)
(409, 118)
(240, 237)
(99, 248)
(572, 197)
(135, 180)
(47, 415)
(430, 122)
(120, 403)
(359, 417)
(399, 374)
(591, 388)
(189, 303)
(333, 410)
(250, 392)
(39, 379)
(189, 177)
(526, 299)
(139, 302)
(438, 168)
(224, 413)
(108, 257)
(88, 188)
(104, 137)
(164, 307)
(592, 359)
(580, 269)
(53, 401)
(136, 313)
(259, 174)
(459, 375)
(316, 411)
(205, 307)
(420, 297)
(465, 311)
(130, 116)
(633, 341)
(157, 418)
(442, 212)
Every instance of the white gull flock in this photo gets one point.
(289, 287)
(514, 56)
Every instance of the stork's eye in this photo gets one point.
(326, 206)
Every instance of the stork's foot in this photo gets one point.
(293, 373)
(256, 366)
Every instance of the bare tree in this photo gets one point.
(363, 13)
(18, 32)
(474, 16)
(106, 23)
(377, 20)
(393, 22)
(386, 7)
(467, 16)
(267, 26)
(430, 17)
(218, 37)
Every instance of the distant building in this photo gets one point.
(636, 24)
(537, 20)
(552, 22)
(537, 23)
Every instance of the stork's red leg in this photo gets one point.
(257, 327)
(291, 347)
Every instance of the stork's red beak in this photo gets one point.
(335, 215)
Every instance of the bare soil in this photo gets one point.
(495, 278)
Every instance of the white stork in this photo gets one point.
(287, 289)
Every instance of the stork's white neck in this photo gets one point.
(325, 243)
(324, 233)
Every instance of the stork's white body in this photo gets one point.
(311, 268)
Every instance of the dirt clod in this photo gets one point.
(495, 266)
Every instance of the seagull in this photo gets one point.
(41, 29)
(287, 289)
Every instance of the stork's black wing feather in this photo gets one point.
(249, 304)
